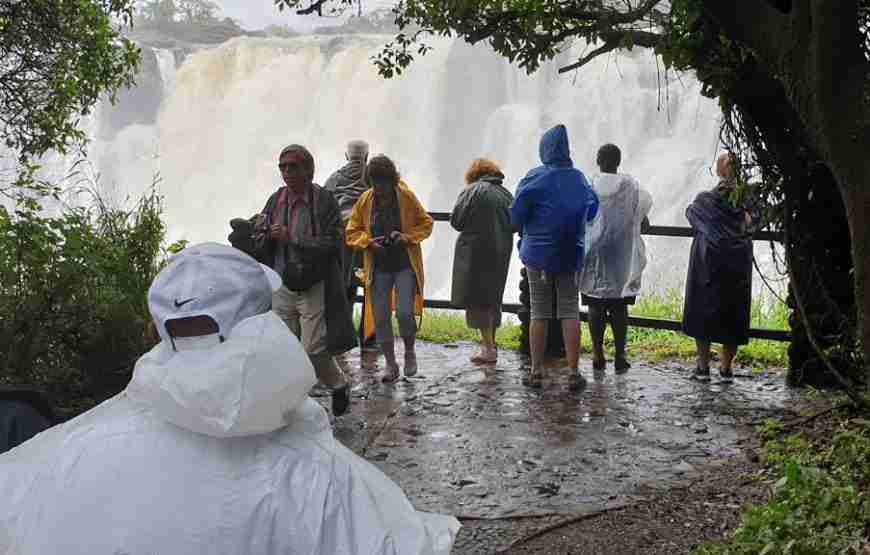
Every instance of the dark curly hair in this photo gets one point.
(609, 155)
(382, 167)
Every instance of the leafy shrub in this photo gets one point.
(819, 505)
(73, 290)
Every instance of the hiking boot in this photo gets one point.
(340, 399)
(577, 383)
(701, 374)
(726, 374)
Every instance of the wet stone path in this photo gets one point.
(472, 441)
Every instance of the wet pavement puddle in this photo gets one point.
(471, 440)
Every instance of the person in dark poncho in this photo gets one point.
(23, 414)
(482, 216)
(719, 281)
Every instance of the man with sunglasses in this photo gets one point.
(302, 236)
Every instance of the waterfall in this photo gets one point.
(166, 65)
(233, 107)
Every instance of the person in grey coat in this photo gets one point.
(483, 251)
(347, 184)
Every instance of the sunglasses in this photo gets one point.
(292, 167)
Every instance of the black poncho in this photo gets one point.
(719, 281)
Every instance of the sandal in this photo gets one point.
(485, 357)
(390, 375)
(577, 382)
(533, 379)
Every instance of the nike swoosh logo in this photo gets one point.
(182, 303)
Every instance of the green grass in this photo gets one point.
(444, 326)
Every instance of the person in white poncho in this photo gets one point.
(214, 447)
(615, 256)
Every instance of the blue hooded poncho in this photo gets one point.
(553, 204)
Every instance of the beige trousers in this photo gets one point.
(304, 312)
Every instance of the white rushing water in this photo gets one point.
(166, 65)
(229, 110)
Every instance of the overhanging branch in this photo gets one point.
(613, 41)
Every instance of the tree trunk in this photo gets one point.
(858, 209)
(816, 49)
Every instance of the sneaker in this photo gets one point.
(340, 399)
(726, 374)
(390, 375)
(410, 365)
(702, 375)
(577, 383)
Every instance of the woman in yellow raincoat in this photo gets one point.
(389, 223)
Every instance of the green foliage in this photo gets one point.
(73, 292)
(811, 513)
(58, 59)
(183, 11)
(819, 505)
(527, 32)
(769, 429)
(443, 326)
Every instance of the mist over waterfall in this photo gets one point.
(224, 113)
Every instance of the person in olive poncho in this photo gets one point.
(483, 251)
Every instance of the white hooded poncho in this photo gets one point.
(213, 450)
(615, 252)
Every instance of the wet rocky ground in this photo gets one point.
(472, 441)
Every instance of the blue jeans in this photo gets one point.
(405, 284)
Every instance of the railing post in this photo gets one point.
(524, 314)
(555, 342)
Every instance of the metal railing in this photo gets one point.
(637, 321)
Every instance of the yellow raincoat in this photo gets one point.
(416, 226)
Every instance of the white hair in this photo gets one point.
(357, 150)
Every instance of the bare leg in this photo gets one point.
(703, 354)
(487, 336)
(619, 325)
(571, 335)
(597, 325)
(538, 344)
(728, 354)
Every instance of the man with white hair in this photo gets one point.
(214, 447)
(347, 184)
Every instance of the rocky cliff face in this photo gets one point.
(164, 47)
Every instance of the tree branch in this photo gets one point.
(613, 41)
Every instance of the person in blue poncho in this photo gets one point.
(552, 206)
